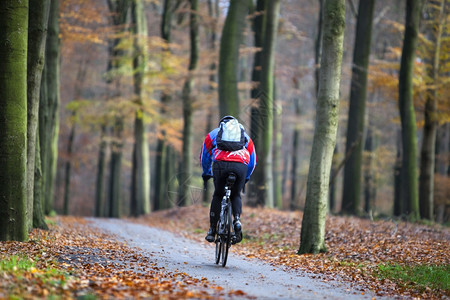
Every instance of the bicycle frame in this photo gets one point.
(224, 232)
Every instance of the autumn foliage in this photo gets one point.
(357, 247)
(72, 260)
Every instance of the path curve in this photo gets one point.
(252, 276)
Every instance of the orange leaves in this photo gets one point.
(356, 246)
(72, 260)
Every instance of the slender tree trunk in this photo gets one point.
(119, 10)
(68, 168)
(266, 104)
(232, 34)
(333, 175)
(170, 173)
(255, 118)
(398, 203)
(49, 107)
(294, 171)
(443, 168)
(37, 33)
(160, 182)
(185, 196)
(277, 159)
(318, 58)
(409, 178)
(318, 45)
(356, 115)
(213, 11)
(115, 171)
(286, 163)
(295, 156)
(13, 120)
(369, 173)
(312, 238)
(427, 155)
(160, 199)
(140, 184)
(99, 198)
(38, 210)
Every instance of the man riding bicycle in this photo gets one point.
(227, 149)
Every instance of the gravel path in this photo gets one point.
(252, 276)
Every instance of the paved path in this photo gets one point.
(254, 277)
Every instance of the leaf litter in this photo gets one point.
(72, 260)
(356, 246)
(78, 261)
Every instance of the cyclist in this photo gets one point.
(218, 163)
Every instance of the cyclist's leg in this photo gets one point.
(241, 172)
(214, 211)
(219, 176)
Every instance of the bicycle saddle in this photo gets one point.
(231, 179)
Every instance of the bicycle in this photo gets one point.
(225, 232)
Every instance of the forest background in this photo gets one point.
(130, 88)
(85, 109)
(104, 106)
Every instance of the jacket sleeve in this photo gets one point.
(206, 156)
(252, 163)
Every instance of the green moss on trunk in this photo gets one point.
(312, 238)
(13, 119)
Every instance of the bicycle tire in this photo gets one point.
(218, 250)
(226, 241)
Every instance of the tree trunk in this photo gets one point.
(259, 26)
(160, 182)
(38, 210)
(99, 199)
(49, 108)
(68, 168)
(356, 114)
(171, 169)
(185, 196)
(442, 170)
(115, 171)
(318, 44)
(13, 120)
(333, 177)
(140, 184)
(277, 155)
(409, 178)
(398, 203)
(369, 173)
(37, 33)
(232, 34)
(312, 238)
(119, 10)
(295, 154)
(427, 154)
(213, 11)
(266, 105)
(162, 147)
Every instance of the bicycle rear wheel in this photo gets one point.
(218, 244)
(226, 239)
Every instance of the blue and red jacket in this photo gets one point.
(210, 153)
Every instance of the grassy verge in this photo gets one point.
(25, 275)
(422, 276)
